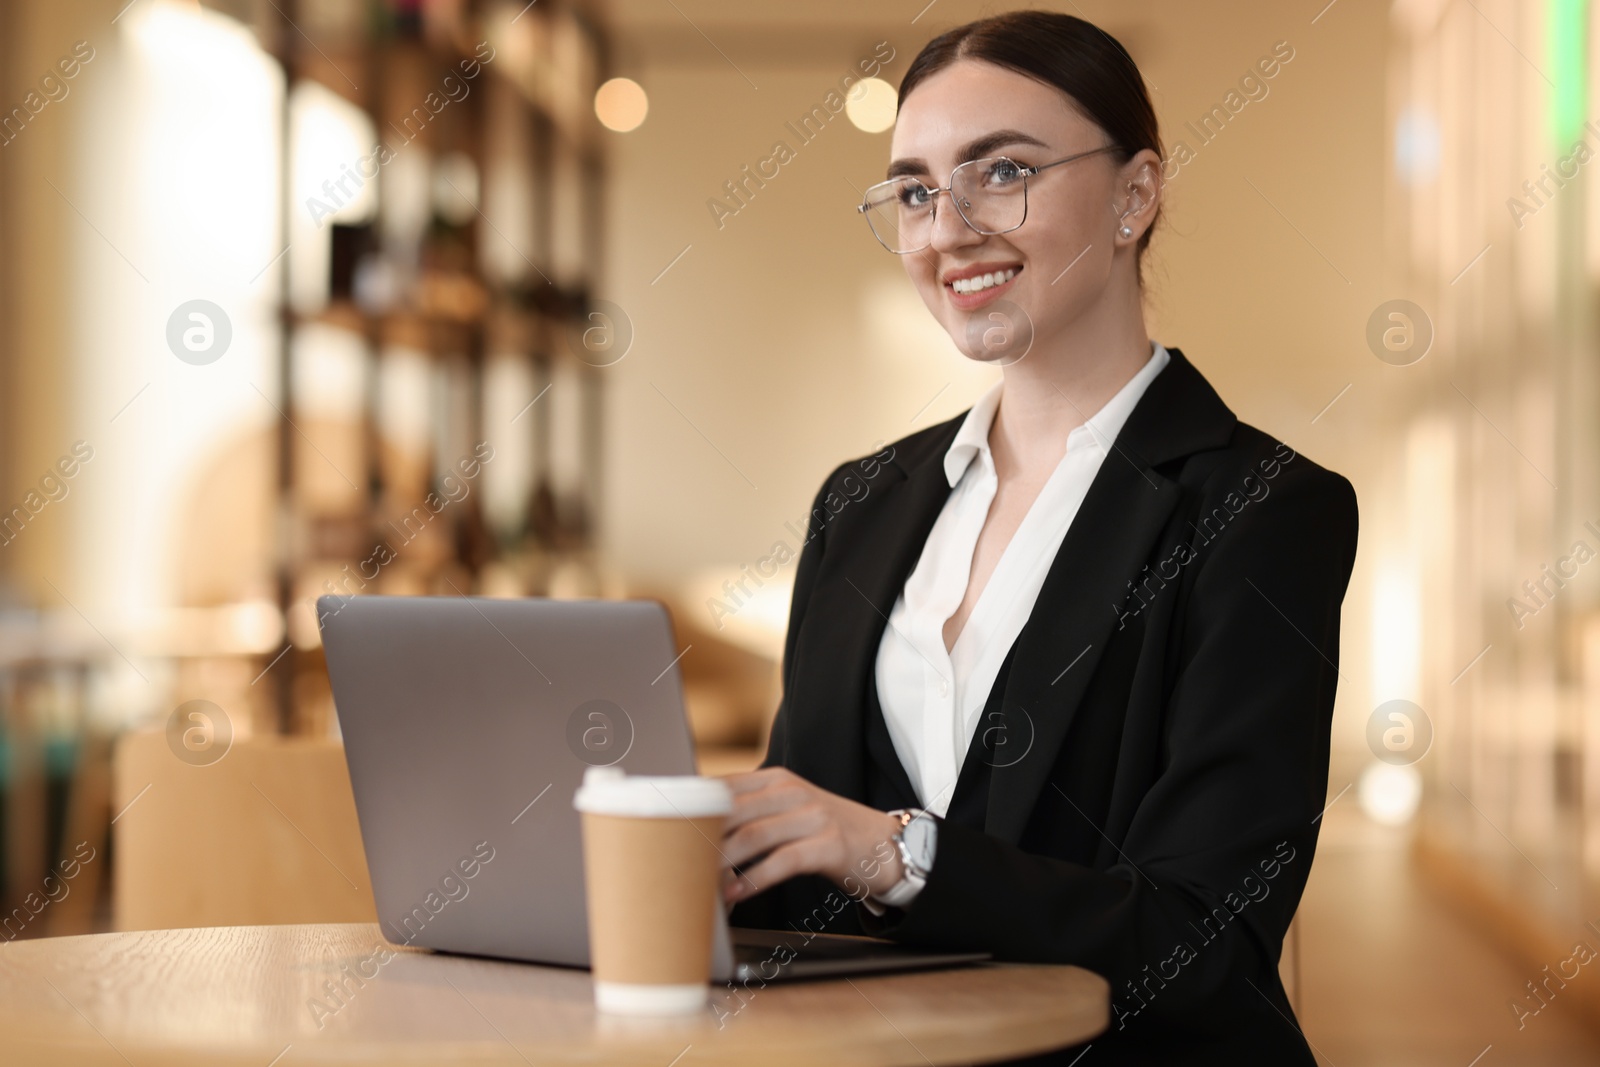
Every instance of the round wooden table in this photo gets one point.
(279, 996)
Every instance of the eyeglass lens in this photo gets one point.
(990, 194)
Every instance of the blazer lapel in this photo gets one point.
(1107, 545)
(1059, 648)
(865, 568)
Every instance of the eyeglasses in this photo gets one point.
(990, 195)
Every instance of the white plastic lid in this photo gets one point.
(609, 791)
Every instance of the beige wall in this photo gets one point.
(788, 341)
(36, 246)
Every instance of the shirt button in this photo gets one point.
(944, 687)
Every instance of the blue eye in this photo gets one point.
(914, 195)
(1001, 173)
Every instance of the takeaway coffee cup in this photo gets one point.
(652, 871)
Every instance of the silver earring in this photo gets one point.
(1126, 231)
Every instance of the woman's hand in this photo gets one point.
(802, 829)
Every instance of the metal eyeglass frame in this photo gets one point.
(933, 203)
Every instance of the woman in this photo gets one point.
(1059, 671)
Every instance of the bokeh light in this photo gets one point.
(1389, 794)
(621, 104)
(872, 105)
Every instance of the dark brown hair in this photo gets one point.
(1065, 52)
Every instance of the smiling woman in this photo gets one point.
(958, 615)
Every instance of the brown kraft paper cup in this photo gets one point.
(652, 872)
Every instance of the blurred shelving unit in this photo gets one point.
(440, 427)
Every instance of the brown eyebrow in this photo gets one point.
(903, 168)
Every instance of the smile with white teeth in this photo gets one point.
(979, 283)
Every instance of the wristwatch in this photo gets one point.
(915, 841)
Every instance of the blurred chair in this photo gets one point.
(267, 834)
(731, 688)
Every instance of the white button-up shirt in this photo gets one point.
(931, 698)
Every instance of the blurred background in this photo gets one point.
(478, 297)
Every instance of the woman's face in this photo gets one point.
(974, 109)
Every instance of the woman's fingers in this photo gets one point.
(794, 827)
(730, 886)
(747, 781)
(774, 796)
(762, 835)
(781, 864)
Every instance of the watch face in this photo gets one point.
(919, 836)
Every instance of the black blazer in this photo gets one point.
(1143, 793)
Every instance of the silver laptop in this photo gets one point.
(468, 723)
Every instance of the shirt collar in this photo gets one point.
(1101, 428)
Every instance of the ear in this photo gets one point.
(1142, 188)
